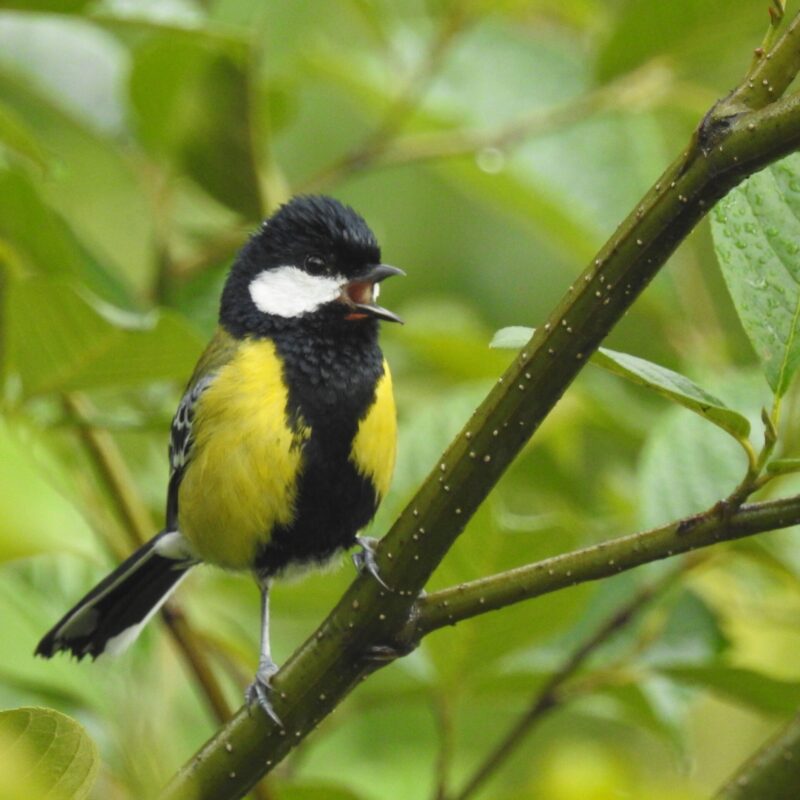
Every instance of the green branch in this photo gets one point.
(369, 621)
(467, 600)
(772, 773)
(775, 69)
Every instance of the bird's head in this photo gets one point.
(314, 261)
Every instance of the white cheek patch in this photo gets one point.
(290, 292)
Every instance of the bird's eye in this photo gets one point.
(315, 265)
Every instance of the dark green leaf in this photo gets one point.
(57, 6)
(193, 103)
(742, 685)
(757, 238)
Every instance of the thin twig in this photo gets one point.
(550, 696)
(400, 109)
(113, 471)
(631, 89)
(444, 756)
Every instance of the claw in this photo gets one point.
(259, 691)
(364, 559)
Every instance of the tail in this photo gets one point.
(111, 615)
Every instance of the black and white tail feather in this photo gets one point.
(111, 615)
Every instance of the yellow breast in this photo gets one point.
(375, 444)
(242, 476)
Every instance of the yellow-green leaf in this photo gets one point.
(45, 755)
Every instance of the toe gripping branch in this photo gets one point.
(259, 691)
(364, 559)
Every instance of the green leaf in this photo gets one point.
(669, 384)
(38, 240)
(783, 466)
(16, 136)
(698, 38)
(45, 754)
(756, 232)
(193, 103)
(742, 685)
(60, 340)
(511, 338)
(652, 702)
(27, 610)
(675, 387)
(91, 178)
(687, 465)
(693, 634)
(35, 517)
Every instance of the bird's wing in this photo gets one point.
(219, 352)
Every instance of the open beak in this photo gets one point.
(361, 294)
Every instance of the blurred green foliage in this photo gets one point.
(492, 146)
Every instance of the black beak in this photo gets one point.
(359, 293)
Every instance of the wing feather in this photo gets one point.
(221, 349)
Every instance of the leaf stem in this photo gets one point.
(771, 74)
(776, 15)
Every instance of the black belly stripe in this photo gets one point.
(331, 388)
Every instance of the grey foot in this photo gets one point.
(259, 691)
(364, 559)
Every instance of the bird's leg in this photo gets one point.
(260, 689)
(364, 559)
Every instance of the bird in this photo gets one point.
(284, 441)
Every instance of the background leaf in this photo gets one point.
(184, 94)
(47, 752)
(60, 341)
(753, 688)
(34, 516)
